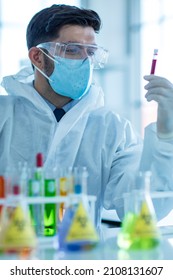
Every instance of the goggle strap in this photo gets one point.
(43, 73)
(46, 54)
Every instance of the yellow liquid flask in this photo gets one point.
(139, 229)
(17, 235)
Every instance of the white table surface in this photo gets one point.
(108, 249)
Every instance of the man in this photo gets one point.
(63, 52)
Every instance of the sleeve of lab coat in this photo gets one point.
(124, 165)
(157, 156)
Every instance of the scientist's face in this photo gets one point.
(71, 34)
(54, 76)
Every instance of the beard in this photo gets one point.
(48, 65)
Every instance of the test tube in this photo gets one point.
(63, 191)
(2, 189)
(154, 60)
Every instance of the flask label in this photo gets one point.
(145, 225)
(81, 227)
(18, 232)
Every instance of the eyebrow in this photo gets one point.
(74, 42)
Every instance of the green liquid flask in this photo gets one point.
(36, 209)
(139, 228)
(50, 209)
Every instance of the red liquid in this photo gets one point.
(39, 160)
(2, 190)
(153, 66)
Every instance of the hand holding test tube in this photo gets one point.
(160, 90)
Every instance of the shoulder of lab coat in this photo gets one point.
(8, 106)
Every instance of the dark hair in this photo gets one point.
(45, 25)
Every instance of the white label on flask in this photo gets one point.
(35, 187)
(51, 186)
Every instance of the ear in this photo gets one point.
(36, 56)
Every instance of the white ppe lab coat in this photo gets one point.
(87, 135)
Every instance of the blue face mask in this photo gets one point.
(71, 77)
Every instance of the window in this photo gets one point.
(156, 28)
(15, 16)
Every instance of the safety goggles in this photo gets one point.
(77, 51)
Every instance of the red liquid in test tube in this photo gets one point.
(153, 65)
(39, 160)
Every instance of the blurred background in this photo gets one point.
(131, 30)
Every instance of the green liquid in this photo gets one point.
(50, 209)
(36, 210)
(125, 238)
(128, 238)
(145, 243)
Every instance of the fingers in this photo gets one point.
(150, 77)
(158, 98)
(159, 83)
(159, 89)
(159, 94)
(153, 77)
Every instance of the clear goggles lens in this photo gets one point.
(98, 55)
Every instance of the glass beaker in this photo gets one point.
(139, 228)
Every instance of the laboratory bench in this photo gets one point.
(107, 249)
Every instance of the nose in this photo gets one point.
(84, 53)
